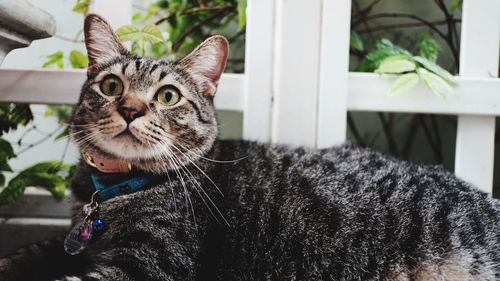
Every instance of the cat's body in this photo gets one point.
(236, 210)
(295, 214)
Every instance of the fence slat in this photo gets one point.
(479, 56)
(476, 95)
(334, 66)
(475, 150)
(41, 85)
(46, 86)
(258, 70)
(296, 72)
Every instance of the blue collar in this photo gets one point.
(125, 187)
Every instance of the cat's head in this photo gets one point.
(150, 113)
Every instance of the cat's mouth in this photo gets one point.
(128, 135)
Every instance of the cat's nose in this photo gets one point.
(130, 113)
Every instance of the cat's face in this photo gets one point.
(152, 114)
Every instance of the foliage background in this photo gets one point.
(171, 28)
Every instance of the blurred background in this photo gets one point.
(183, 24)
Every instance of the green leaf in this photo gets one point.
(45, 175)
(436, 84)
(128, 33)
(242, 14)
(5, 167)
(161, 48)
(456, 5)
(21, 114)
(396, 65)
(404, 83)
(384, 49)
(78, 59)
(397, 58)
(81, 7)
(152, 11)
(137, 16)
(151, 33)
(384, 43)
(429, 48)
(6, 151)
(355, 41)
(163, 4)
(373, 59)
(12, 115)
(56, 58)
(429, 65)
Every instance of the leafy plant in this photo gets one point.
(172, 28)
(76, 59)
(82, 6)
(56, 59)
(11, 116)
(355, 41)
(418, 137)
(51, 176)
(148, 34)
(388, 58)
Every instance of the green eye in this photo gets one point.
(168, 95)
(111, 86)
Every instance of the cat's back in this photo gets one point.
(346, 168)
(361, 211)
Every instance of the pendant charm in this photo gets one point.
(98, 225)
(81, 234)
(78, 238)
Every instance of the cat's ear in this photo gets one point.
(207, 62)
(101, 41)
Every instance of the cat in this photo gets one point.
(242, 210)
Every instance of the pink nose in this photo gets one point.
(130, 114)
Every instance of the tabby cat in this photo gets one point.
(184, 206)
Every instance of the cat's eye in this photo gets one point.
(168, 95)
(111, 86)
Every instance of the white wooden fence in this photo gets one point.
(297, 88)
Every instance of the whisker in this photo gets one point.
(168, 154)
(158, 153)
(197, 184)
(212, 160)
(194, 164)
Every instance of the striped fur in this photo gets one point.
(238, 210)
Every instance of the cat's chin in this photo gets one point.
(128, 138)
(141, 157)
(130, 152)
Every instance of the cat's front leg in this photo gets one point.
(139, 261)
